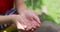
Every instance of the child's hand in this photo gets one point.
(18, 21)
(30, 19)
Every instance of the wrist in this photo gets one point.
(11, 17)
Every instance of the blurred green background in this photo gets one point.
(53, 7)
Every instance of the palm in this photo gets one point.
(30, 19)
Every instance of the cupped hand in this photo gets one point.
(30, 20)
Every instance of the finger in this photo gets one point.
(19, 26)
(36, 19)
(32, 30)
(29, 28)
(35, 25)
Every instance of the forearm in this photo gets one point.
(20, 5)
(4, 19)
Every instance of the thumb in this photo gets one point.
(19, 25)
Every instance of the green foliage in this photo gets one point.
(34, 4)
(53, 7)
(46, 17)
